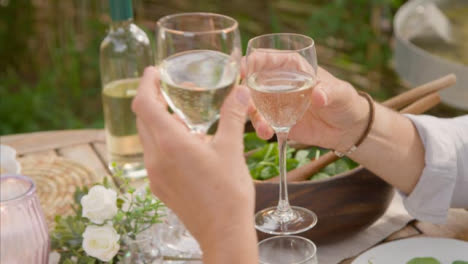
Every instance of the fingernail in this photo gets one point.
(243, 96)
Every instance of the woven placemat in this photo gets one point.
(56, 179)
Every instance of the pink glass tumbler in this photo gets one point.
(23, 230)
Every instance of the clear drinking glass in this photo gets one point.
(281, 73)
(141, 250)
(24, 235)
(287, 249)
(198, 56)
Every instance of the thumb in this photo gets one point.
(233, 117)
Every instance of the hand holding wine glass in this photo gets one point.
(207, 184)
(335, 110)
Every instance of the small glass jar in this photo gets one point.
(24, 235)
(141, 250)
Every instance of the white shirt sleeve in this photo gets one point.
(444, 180)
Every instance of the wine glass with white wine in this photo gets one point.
(198, 56)
(281, 73)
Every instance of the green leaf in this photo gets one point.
(120, 202)
(105, 182)
(341, 166)
(291, 164)
(252, 141)
(319, 175)
(330, 169)
(302, 156)
(351, 163)
(268, 172)
(425, 260)
(460, 262)
(119, 216)
(79, 193)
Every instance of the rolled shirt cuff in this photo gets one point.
(431, 198)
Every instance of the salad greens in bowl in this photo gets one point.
(263, 159)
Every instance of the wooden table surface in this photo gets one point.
(89, 148)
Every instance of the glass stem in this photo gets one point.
(283, 203)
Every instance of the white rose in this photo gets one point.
(101, 242)
(8, 162)
(100, 204)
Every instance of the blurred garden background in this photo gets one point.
(49, 49)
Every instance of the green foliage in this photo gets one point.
(426, 260)
(49, 75)
(430, 260)
(55, 86)
(263, 162)
(251, 141)
(346, 26)
(16, 17)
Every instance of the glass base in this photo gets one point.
(287, 249)
(295, 221)
(134, 170)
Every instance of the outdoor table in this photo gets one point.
(88, 148)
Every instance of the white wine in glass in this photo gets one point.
(281, 73)
(195, 84)
(199, 56)
(281, 96)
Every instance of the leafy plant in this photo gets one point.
(141, 213)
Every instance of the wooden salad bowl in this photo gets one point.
(345, 203)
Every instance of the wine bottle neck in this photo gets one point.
(120, 25)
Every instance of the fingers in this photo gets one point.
(319, 97)
(149, 145)
(233, 117)
(330, 91)
(243, 68)
(269, 60)
(263, 129)
(151, 110)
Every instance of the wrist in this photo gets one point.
(233, 243)
(358, 117)
(227, 223)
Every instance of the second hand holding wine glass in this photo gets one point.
(198, 56)
(281, 73)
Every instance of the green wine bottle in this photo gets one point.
(124, 54)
